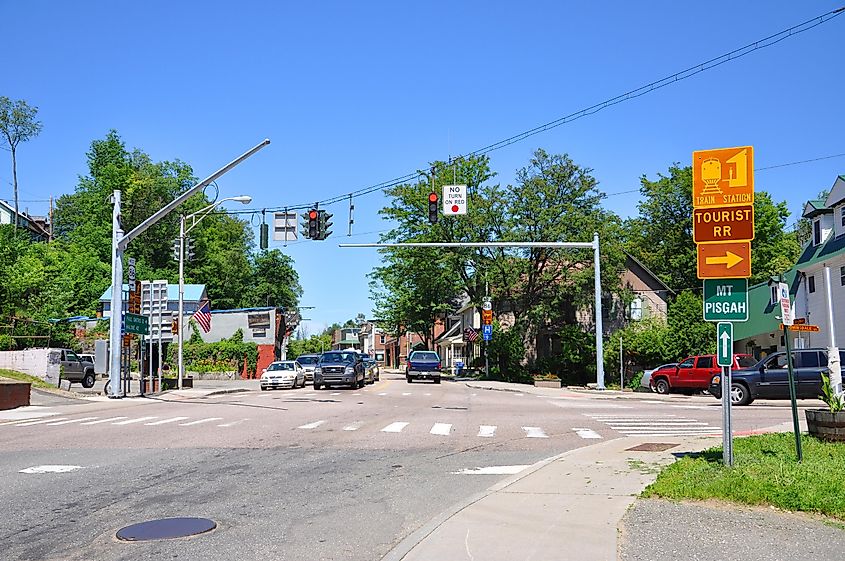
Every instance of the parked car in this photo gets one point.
(693, 373)
(283, 374)
(376, 369)
(75, 369)
(423, 365)
(769, 378)
(339, 367)
(645, 382)
(369, 369)
(308, 363)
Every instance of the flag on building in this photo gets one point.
(203, 316)
(470, 334)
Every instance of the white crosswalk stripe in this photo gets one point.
(587, 433)
(442, 429)
(201, 421)
(395, 427)
(487, 431)
(101, 421)
(165, 421)
(69, 421)
(30, 423)
(534, 432)
(233, 423)
(353, 426)
(132, 421)
(313, 425)
(656, 425)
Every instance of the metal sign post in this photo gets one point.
(724, 358)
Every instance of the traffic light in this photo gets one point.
(265, 236)
(189, 248)
(325, 224)
(304, 230)
(313, 224)
(176, 249)
(433, 209)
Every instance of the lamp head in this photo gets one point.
(245, 199)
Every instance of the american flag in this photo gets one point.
(203, 316)
(470, 334)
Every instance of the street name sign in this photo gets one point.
(136, 323)
(724, 343)
(725, 299)
(454, 199)
(803, 327)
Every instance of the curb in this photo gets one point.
(230, 390)
(413, 539)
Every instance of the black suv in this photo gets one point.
(339, 368)
(769, 378)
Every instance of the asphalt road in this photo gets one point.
(296, 474)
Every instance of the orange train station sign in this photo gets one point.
(723, 177)
(729, 260)
(722, 224)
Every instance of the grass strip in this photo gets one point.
(765, 472)
(21, 377)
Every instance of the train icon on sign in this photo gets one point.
(723, 177)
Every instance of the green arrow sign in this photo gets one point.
(724, 343)
(725, 299)
(136, 323)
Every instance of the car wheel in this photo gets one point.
(409, 379)
(661, 386)
(740, 394)
(362, 382)
(263, 389)
(88, 381)
(317, 386)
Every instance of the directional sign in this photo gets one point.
(803, 327)
(724, 260)
(724, 343)
(454, 199)
(486, 317)
(487, 332)
(725, 299)
(723, 177)
(136, 323)
(723, 224)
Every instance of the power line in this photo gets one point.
(801, 162)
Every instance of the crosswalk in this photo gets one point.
(120, 421)
(655, 425)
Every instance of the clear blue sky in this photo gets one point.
(354, 93)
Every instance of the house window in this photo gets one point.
(842, 215)
(811, 283)
(842, 276)
(817, 232)
(774, 296)
(381, 338)
(636, 309)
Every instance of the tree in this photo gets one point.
(18, 124)
(274, 281)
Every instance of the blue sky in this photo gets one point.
(354, 93)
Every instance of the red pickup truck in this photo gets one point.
(693, 373)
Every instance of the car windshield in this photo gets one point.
(746, 361)
(281, 366)
(337, 357)
(424, 355)
(307, 360)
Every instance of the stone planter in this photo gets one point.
(547, 384)
(826, 425)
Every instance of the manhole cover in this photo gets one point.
(651, 447)
(165, 529)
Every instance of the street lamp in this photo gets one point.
(195, 219)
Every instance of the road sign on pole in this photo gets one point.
(785, 304)
(725, 299)
(487, 332)
(136, 323)
(454, 199)
(724, 343)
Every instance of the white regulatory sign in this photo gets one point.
(785, 304)
(454, 199)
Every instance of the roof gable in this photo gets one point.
(837, 193)
(814, 208)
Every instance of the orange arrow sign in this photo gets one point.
(729, 260)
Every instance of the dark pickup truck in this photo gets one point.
(423, 365)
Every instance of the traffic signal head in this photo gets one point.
(433, 209)
(325, 224)
(265, 236)
(313, 224)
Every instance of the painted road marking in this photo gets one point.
(69, 421)
(27, 413)
(165, 421)
(208, 420)
(335, 393)
(353, 426)
(487, 431)
(138, 420)
(395, 427)
(104, 420)
(406, 393)
(233, 423)
(382, 393)
(50, 469)
(534, 432)
(493, 470)
(442, 429)
(587, 433)
(313, 425)
(575, 405)
(30, 423)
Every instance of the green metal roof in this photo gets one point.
(761, 317)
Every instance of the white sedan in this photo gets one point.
(283, 374)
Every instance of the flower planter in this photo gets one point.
(826, 425)
(547, 384)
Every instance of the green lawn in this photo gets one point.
(765, 472)
(36, 382)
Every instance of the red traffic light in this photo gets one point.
(312, 215)
(432, 197)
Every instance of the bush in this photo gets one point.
(7, 343)
(226, 355)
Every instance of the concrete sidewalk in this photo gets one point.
(564, 508)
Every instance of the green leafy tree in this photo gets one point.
(17, 124)
(275, 282)
(312, 345)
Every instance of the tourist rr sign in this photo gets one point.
(724, 343)
(725, 299)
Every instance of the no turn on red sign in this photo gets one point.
(454, 199)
